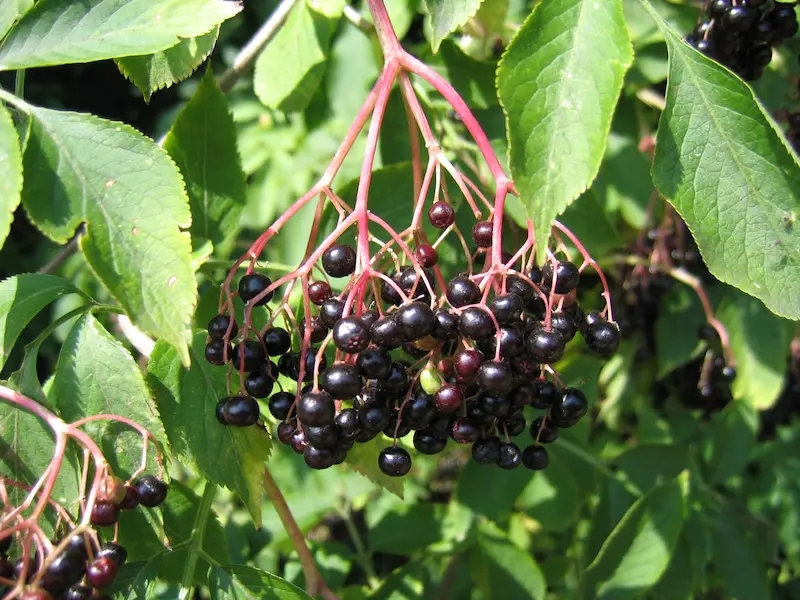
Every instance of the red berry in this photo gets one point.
(105, 514)
(441, 215)
(426, 255)
(102, 572)
(111, 490)
(319, 291)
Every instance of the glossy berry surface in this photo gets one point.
(507, 308)
(259, 383)
(101, 572)
(546, 347)
(218, 327)
(152, 491)
(104, 514)
(535, 458)
(462, 291)
(449, 398)
(426, 255)
(394, 461)
(342, 381)
(131, 499)
(566, 275)
(569, 409)
(374, 363)
(215, 352)
(277, 341)
(248, 355)
(316, 408)
(351, 335)
(495, 377)
(414, 320)
(114, 551)
(475, 323)
(510, 456)
(280, 404)
(79, 592)
(238, 411)
(486, 451)
(482, 234)
(253, 285)
(319, 291)
(339, 260)
(602, 337)
(441, 215)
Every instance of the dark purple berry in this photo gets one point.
(546, 394)
(441, 215)
(131, 499)
(495, 377)
(510, 456)
(374, 363)
(342, 381)
(603, 337)
(114, 551)
(394, 461)
(462, 291)
(218, 327)
(325, 436)
(259, 383)
(465, 431)
(507, 308)
(348, 423)
(339, 260)
(566, 274)
(468, 362)
(104, 514)
(385, 333)
(475, 323)
(254, 284)
(414, 320)
(151, 490)
(316, 408)
(238, 411)
(569, 409)
(351, 335)
(248, 355)
(280, 404)
(277, 341)
(319, 458)
(535, 458)
(426, 255)
(445, 325)
(486, 451)
(449, 398)
(420, 410)
(482, 234)
(331, 311)
(543, 434)
(216, 350)
(286, 431)
(426, 443)
(319, 291)
(101, 573)
(546, 347)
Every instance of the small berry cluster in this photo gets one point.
(741, 34)
(79, 567)
(476, 352)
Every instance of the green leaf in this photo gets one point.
(553, 497)
(502, 570)
(722, 165)
(364, 459)
(677, 581)
(447, 16)
(290, 69)
(736, 559)
(22, 297)
(649, 465)
(473, 79)
(56, 32)
(406, 529)
(729, 441)
(203, 144)
(638, 551)
(506, 487)
(96, 375)
(10, 173)
(136, 580)
(229, 456)
(676, 329)
(83, 168)
(242, 582)
(153, 72)
(558, 83)
(760, 344)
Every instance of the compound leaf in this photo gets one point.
(10, 173)
(722, 165)
(22, 297)
(56, 32)
(96, 375)
(83, 168)
(558, 83)
(447, 16)
(242, 582)
(203, 144)
(187, 398)
(153, 72)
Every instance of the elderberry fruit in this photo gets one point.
(445, 325)
(441, 215)
(569, 409)
(298, 441)
(546, 347)
(114, 551)
(482, 234)
(348, 423)
(254, 284)
(414, 320)
(5, 544)
(468, 362)
(507, 308)
(535, 458)
(475, 323)
(319, 330)
(486, 451)
(510, 456)
(543, 434)
(523, 394)
(324, 436)
(514, 424)
(339, 260)
(216, 350)
(259, 383)
(566, 275)
(316, 408)
(319, 291)
(397, 380)
(331, 311)
(104, 514)
(319, 458)
(420, 410)
(495, 377)
(102, 572)
(385, 333)
(373, 418)
(462, 291)
(286, 430)
(351, 335)
(603, 337)
(425, 443)
(65, 570)
(237, 411)
(426, 255)
(342, 381)
(449, 398)
(394, 461)
(374, 363)
(131, 499)
(248, 355)
(152, 491)
(79, 592)
(728, 373)
(277, 341)
(465, 431)
(564, 323)
(36, 594)
(289, 365)
(218, 327)
(494, 405)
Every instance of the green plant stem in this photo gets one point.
(198, 533)
(19, 83)
(315, 585)
(362, 556)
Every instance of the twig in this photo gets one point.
(68, 250)
(253, 48)
(143, 343)
(314, 583)
(651, 98)
(352, 15)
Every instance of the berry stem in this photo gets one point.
(315, 585)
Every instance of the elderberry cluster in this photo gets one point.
(79, 568)
(464, 363)
(741, 34)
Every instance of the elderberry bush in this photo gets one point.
(742, 34)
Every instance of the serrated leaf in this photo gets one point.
(447, 16)
(473, 79)
(637, 552)
(153, 72)
(760, 343)
(364, 459)
(722, 165)
(242, 582)
(289, 70)
(10, 173)
(22, 297)
(202, 141)
(82, 168)
(136, 580)
(502, 570)
(56, 32)
(558, 83)
(96, 375)
(187, 399)
(476, 478)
